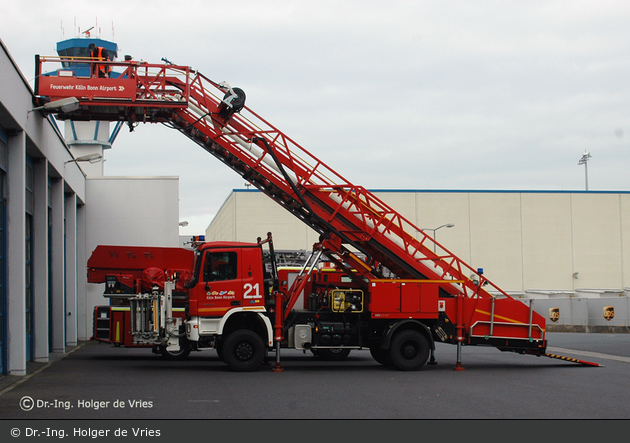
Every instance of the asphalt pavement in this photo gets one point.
(99, 382)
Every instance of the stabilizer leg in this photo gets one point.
(458, 366)
(277, 367)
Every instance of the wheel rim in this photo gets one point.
(409, 350)
(244, 351)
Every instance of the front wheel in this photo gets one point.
(243, 351)
(408, 351)
(219, 348)
(179, 354)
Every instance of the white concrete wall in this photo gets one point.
(247, 215)
(526, 242)
(54, 300)
(134, 211)
(597, 240)
(547, 238)
(80, 213)
(130, 211)
(223, 225)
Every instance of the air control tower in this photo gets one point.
(88, 140)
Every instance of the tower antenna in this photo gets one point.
(87, 32)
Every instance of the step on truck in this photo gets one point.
(391, 288)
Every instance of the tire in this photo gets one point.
(243, 351)
(219, 348)
(332, 354)
(181, 354)
(379, 354)
(408, 351)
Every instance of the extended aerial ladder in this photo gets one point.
(359, 232)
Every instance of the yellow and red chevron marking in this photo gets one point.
(574, 360)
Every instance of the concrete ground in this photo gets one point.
(99, 382)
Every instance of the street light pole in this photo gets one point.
(447, 225)
(64, 105)
(584, 161)
(92, 158)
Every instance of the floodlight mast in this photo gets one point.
(584, 161)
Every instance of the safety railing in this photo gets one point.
(291, 168)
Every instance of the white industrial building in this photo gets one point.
(541, 246)
(56, 207)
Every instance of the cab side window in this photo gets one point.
(220, 266)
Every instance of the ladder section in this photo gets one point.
(319, 196)
(207, 113)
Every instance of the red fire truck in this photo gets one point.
(391, 288)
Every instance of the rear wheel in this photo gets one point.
(379, 354)
(243, 351)
(408, 351)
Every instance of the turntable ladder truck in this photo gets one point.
(396, 291)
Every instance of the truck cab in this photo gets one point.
(227, 303)
(226, 276)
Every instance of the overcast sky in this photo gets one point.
(468, 95)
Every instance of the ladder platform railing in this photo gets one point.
(332, 203)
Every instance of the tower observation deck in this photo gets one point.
(88, 139)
